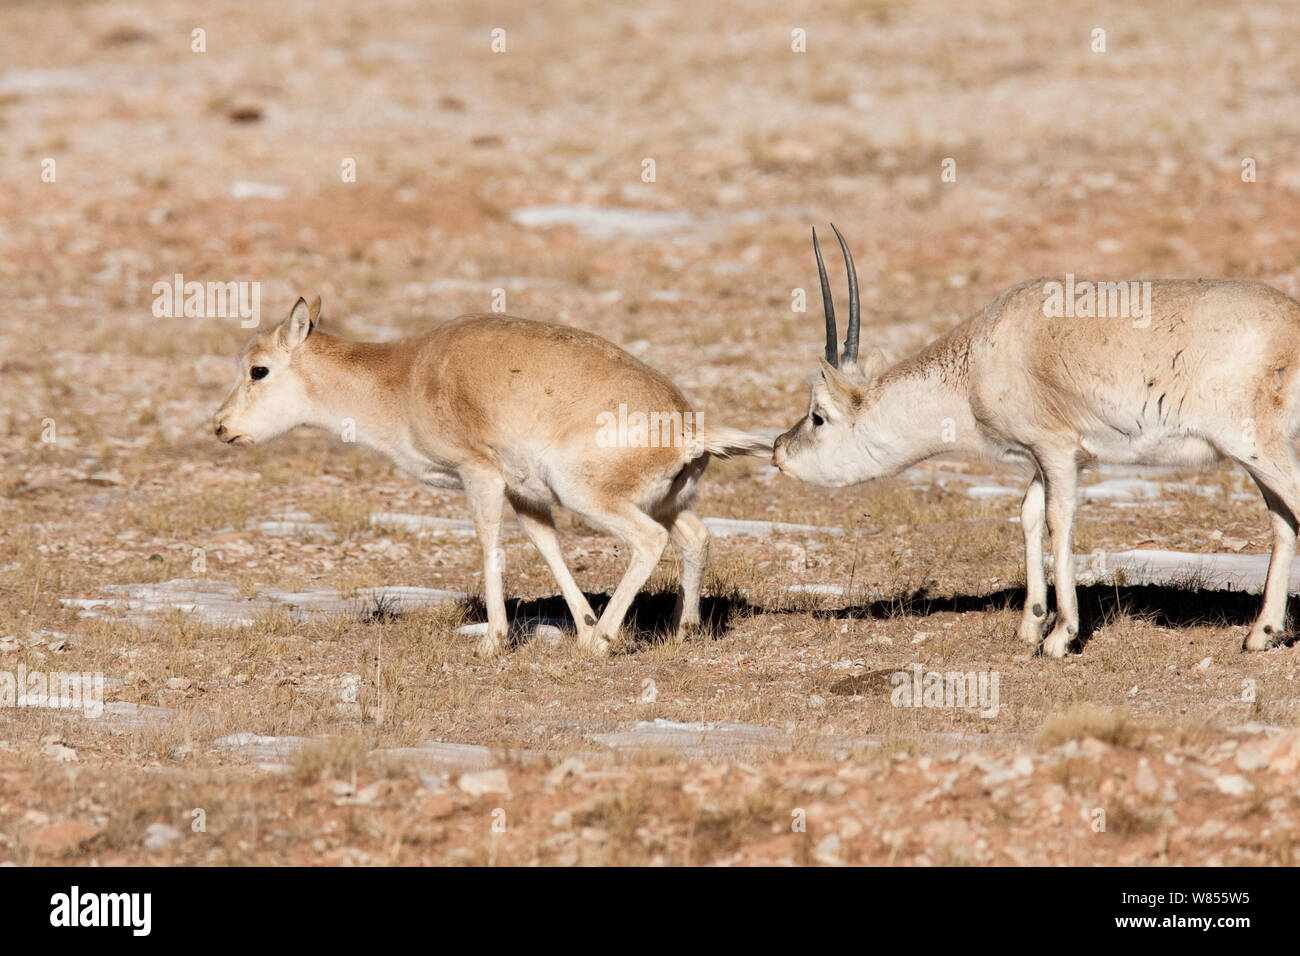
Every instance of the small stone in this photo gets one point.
(1250, 758)
(365, 797)
(1233, 784)
(828, 851)
(9, 644)
(433, 782)
(112, 477)
(1210, 829)
(158, 836)
(1283, 751)
(1146, 781)
(178, 683)
(56, 750)
(570, 765)
(484, 781)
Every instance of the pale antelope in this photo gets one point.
(1205, 370)
(508, 410)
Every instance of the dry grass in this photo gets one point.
(1084, 719)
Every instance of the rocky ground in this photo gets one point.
(285, 633)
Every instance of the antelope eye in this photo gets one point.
(817, 420)
(258, 372)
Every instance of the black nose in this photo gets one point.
(221, 431)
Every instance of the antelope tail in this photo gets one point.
(730, 442)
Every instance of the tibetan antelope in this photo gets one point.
(1201, 371)
(508, 410)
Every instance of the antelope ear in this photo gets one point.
(873, 365)
(839, 387)
(864, 370)
(314, 312)
(294, 330)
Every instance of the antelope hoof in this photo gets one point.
(489, 647)
(1263, 636)
(1058, 642)
(1031, 626)
(594, 645)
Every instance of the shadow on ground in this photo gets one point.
(1162, 605)
(650, 620)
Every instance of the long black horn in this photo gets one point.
(828, 304)
(855, 308)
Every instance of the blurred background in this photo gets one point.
(525, 170)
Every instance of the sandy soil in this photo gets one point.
(322, 729)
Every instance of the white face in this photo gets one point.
(831, 445)
(270, 396)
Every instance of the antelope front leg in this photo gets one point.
(1031, 522)
(1270, 626)
(486, 492)
(1279, 488)
(1061, 488)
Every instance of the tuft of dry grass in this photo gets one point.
(1110, 725)
(338, 757)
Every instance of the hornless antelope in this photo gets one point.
(1210, 369)
(509, 410)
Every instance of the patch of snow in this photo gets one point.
(421, 523)
(1229, 572)
(219, 602)
(247, 190)
(607, 223)
(547, 633)
(727, 527)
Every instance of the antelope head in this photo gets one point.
(833, 444)
(271, 394)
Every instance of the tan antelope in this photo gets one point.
(508, 410)
(1049, 375)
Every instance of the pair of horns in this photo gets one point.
(850, 353)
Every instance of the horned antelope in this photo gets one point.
(509, 410)
(1207, 370)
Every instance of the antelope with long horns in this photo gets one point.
(509, 410)
(1057, 373)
